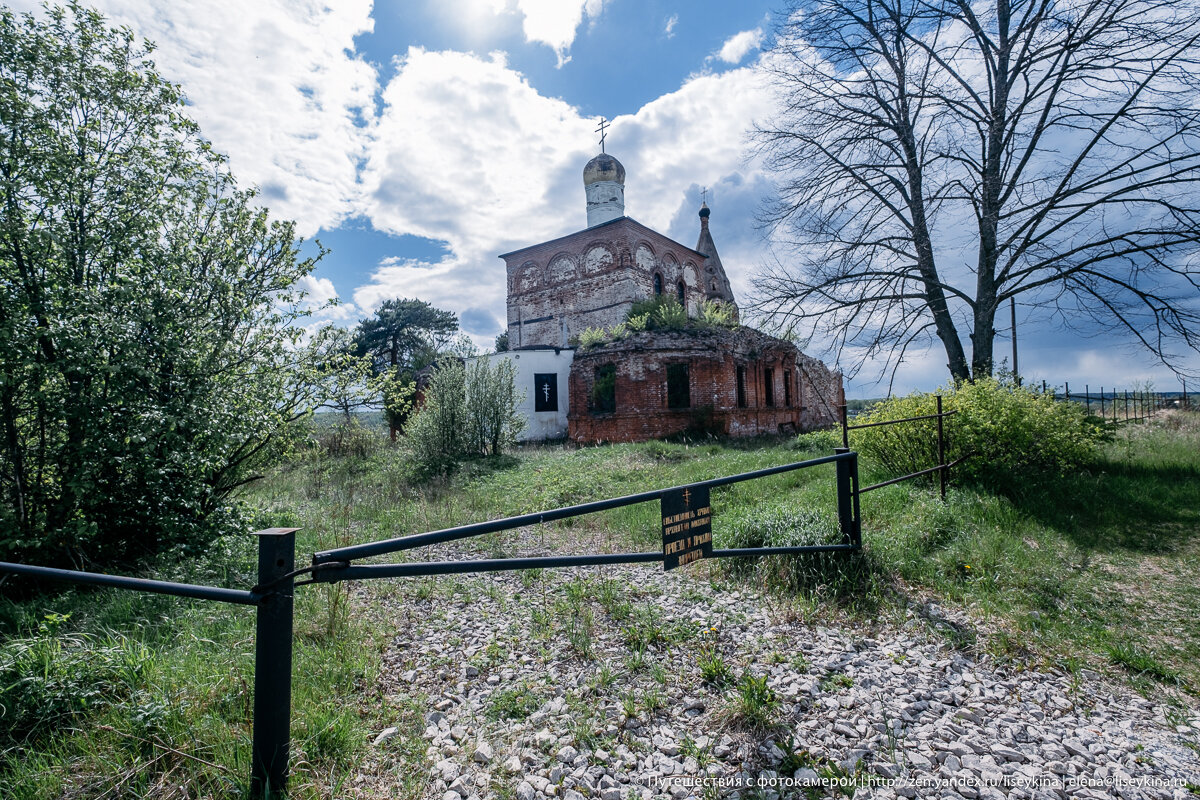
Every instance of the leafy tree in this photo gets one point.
(941, 158)
(436, 434)
(349, 383)
(470, 410)
(502, 342)
(402, 337)
(492, 399)
(148, 358)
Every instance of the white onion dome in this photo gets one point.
(603, 168)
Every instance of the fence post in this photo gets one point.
(1087, 398)
(847, 495)
(941, 450)
(845, 428)
(1067, 389)
(273, 663)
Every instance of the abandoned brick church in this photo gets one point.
(735, 381)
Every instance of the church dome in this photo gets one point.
(603, 168)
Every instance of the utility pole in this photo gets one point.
(1012, 307)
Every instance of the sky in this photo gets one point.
(418, 140)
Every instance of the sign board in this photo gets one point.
(686, 526)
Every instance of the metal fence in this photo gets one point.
(941, 468)
(1122, 405)
(687, 536)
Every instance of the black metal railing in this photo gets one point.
(272, 645)
(942, 468)
(273, 595)
(1123, 405)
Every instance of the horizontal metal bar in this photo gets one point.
(419, 568)
(897, 421)
(138, 584)
(873, 487)
(492, 526)
(916, 474)
(743, 552)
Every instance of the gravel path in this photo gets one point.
(588, 683)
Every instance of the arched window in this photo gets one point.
(657, 284)
(679, 292)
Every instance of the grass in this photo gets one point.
(149, 693)
(753, 704)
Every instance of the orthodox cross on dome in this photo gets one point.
(704, 194)
(601, 130)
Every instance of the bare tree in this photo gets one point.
(1058, 141)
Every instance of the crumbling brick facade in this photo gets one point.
(737, 382)
(590, 279)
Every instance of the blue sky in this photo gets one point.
(418, 140)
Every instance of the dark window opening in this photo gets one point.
(741, 387)
(679, 292)
(657, 284)
(604, 389)
(545, 391)
(769, 387)
(787, 388)
(678, 391)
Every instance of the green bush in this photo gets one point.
(592, 337)
(717, 313)
(1005, 430)
(468, 412)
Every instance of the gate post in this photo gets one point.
(847, 497)
(273, 663)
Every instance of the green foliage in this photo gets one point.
(1139, 662)
(661, 312)
(403, 337)
(51, 678)
(502, 343)
(719, 314)
(148, 336)
(468, 412)
(713, 668)
(516, 703)
(492, 399)
(754, 701)
(592, 337)
(435, 437)
(1007, 430)
(669, 316)
(819, 442)
(854, 578)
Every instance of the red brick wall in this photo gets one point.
(712, 358)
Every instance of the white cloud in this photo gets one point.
(672, 21)
(554, 22)
(319, 294)
(275, 85)
(510, 175)
(739, 45)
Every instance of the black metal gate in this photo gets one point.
(687, 537)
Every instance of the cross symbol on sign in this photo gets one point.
(546, 391)
(687, 498)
